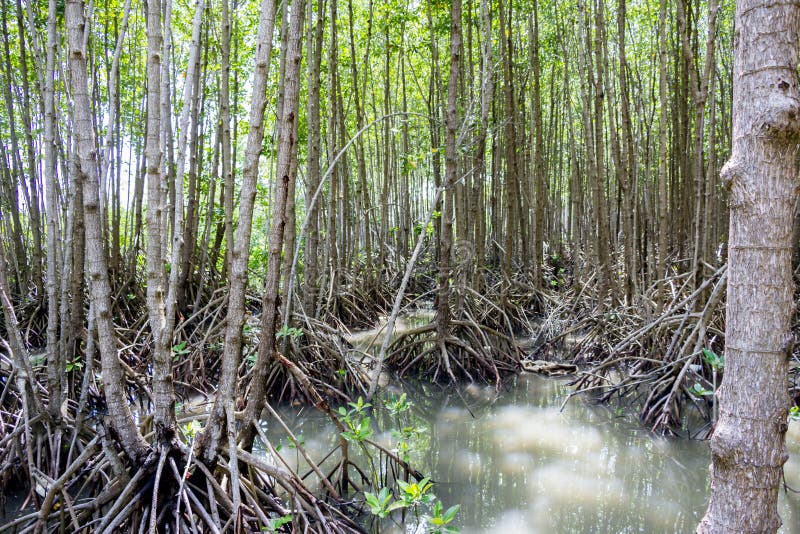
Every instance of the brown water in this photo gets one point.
(517, 463)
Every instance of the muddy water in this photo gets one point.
(517, 463)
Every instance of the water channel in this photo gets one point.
(518, 463)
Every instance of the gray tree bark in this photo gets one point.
(122, 420)
(237, 284)
(287, 151)
(747, 447)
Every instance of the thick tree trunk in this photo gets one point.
(747, 447)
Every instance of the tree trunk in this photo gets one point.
(287, 151)
(237, 280)
(598, 185)
(113, 379)
(362, 190)
(450, 175)
(538, 154)
(225, 119)
(54, 356)
(747, 447)
(662, 141)
(314, 46)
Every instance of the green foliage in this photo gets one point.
(440, 520)
(191, 429)
(74, 365)
(407, 439)
(794, 413)
(287, 331)
(360, 429)
(413, 496)
(699, 391)
(380, 504)
(716, 361)
(416, 493)
(359, 426)
(179, 350)
(398, 405)
(299, 442)
(277, 522)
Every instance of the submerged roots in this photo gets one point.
(172, 492)
(647, 354)
(469, 352)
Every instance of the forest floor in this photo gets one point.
(657, 356)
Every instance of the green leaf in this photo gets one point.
(371, 500)
(699, 391)
(379, 504)
(287, 331)
(278, 522)
(714, 360)
(451, 512)
(396, 505)
(180, 349)
(74, 365)
(192, 428)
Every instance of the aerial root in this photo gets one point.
(650, 359)
(173, 492)
(469, 352)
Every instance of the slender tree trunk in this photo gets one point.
(332, 245)
(287, 151)
(663, 229)
(30, 152)
(163, 311)
(237, 281)
(54, 356)
(486, 96)
(540, 183)
(113, 379)
(311, 259)
(16, 182)
(362, 191)
(514, 221)
(225, 118)
(628, 166)
(443, 313)
(195, 147)
(598, 185)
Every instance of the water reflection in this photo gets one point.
(518, 464)
(537, 469)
